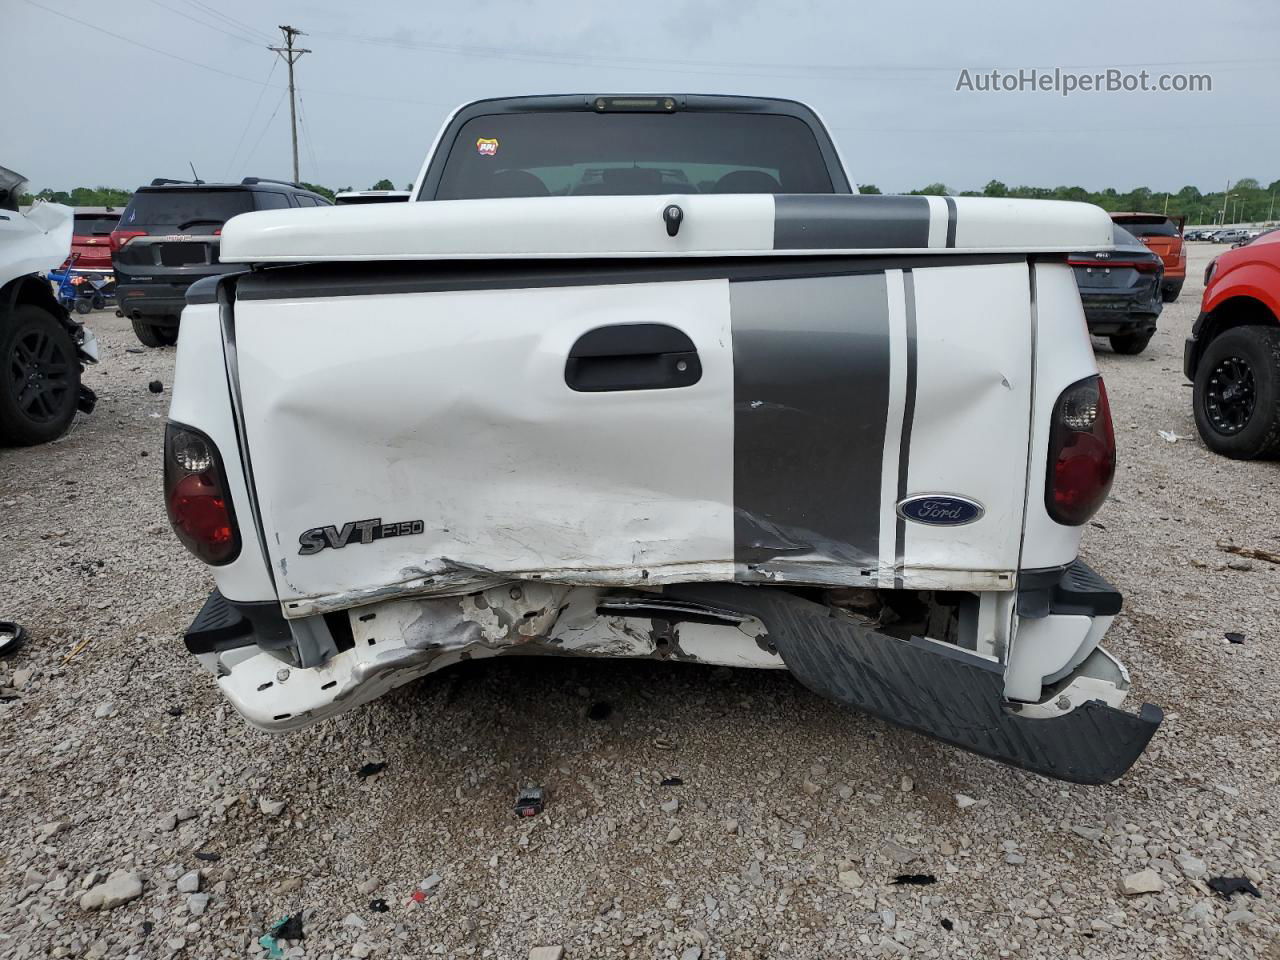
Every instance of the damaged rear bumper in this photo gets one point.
(1074, 733)
(958, 697)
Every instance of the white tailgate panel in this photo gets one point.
(452, 408)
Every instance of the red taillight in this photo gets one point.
(120, 238)
(1142, 266)
(1082, 453)
(196, 497)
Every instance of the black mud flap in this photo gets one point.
(938, 690)
(223, 624)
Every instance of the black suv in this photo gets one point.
(168, 238)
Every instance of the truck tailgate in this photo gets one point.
(421, 428)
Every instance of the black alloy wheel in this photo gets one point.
(1230, 396)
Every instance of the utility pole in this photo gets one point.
(290, 55)
(1225, 194)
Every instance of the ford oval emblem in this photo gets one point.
(940, 510)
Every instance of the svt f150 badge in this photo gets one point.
(356, 531)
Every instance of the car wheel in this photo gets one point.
(1171, 292)
(1237, 393)
(1130, 343)
(39, 377)
(168, 335)
(84, 306)
(148, 334)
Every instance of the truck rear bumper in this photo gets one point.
(1074, 733)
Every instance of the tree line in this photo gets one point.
(1247, 200)
(114, 197)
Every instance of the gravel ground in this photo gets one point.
(794, 816)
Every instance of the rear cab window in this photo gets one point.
(183, 207)
(580, 153)
(1149, 226)
(95, 225)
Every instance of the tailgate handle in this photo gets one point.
(632, 356)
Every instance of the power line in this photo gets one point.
(265, 128)
(226, 33)
(306, 136)
(231, 21)
(475, 51)
(737, 68)
(137, 43)
(226, 73)
(252, 113)
(1062, 131)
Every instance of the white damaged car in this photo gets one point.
(42, 348)
(645, 377)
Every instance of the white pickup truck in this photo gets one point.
(645, 377)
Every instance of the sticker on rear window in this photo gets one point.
(487, 147)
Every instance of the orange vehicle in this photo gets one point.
(1163, 237)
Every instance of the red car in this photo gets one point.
(91, 238)
(1233, 354)
(1163, 237)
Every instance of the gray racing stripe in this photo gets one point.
(908, 414)
(857, 222)
(951, 221)
(811, 394)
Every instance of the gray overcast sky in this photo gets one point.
(95, 109)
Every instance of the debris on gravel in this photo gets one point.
(118, 889)
(1144, 881)
(189, 882)
(1226, 887)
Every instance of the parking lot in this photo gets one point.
(793, 818)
